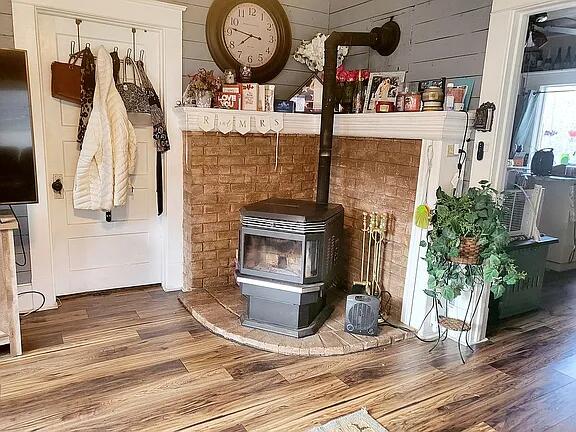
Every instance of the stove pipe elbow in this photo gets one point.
(383, 40)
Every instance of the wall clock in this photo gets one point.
(253, 33)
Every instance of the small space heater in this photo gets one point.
(362, 312)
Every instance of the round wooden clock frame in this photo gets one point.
(215, 37)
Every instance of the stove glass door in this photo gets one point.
(273, 257)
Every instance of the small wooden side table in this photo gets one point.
(9, 313)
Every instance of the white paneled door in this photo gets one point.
(90, 253)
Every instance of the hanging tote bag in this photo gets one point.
(133, 95)
(66, 79)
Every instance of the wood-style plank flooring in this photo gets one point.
(136, 360)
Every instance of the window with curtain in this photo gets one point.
(558, 123)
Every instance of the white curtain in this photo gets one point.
(523, 133)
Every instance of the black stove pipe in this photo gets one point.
(384, 40)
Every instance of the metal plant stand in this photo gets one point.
(446, 324)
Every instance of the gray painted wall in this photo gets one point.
(440, 38)
(6, 33)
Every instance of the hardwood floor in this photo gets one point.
(136, 360)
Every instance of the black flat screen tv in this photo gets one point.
(17, 166)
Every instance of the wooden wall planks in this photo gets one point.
(440, 37)
(6, 32)
(306, 17)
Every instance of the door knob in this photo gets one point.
(57, 186)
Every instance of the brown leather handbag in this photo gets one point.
(66, 79)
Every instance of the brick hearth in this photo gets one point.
(225, 172)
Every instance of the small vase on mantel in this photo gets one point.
(203, 98)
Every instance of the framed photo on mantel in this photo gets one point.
(383, 86)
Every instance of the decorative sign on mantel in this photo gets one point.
(226, 122)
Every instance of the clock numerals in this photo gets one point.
(250, 35)
(251, 12)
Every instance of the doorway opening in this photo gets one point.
(540, 175)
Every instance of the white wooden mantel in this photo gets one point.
(442, 133)
(433, 126)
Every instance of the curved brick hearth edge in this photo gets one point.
(219, 311)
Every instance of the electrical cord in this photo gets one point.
(573, 252)
(462, 154)
(39, 307)
(387, 323)
(24, 264)
(21, 240)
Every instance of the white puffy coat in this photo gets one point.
(108, 154)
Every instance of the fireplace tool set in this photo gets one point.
(374, 239)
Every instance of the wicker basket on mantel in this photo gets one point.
(469, 252)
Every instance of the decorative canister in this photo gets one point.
(229, 76)
(245, 74)
(412, 101)
(433, 99)
(400, 100)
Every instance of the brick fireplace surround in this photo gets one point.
(224, 172)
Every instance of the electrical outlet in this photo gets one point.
(451, 150)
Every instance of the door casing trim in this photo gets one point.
(147, 14)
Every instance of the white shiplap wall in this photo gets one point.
(440, 38)
(307, 18)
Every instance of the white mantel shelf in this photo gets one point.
(434, 126)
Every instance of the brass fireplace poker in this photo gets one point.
(375, 232)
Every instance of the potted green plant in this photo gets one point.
(467, 243)
(201, 88)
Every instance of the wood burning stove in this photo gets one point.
(289, 249)
(289, 257)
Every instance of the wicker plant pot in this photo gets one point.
(469, 252)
